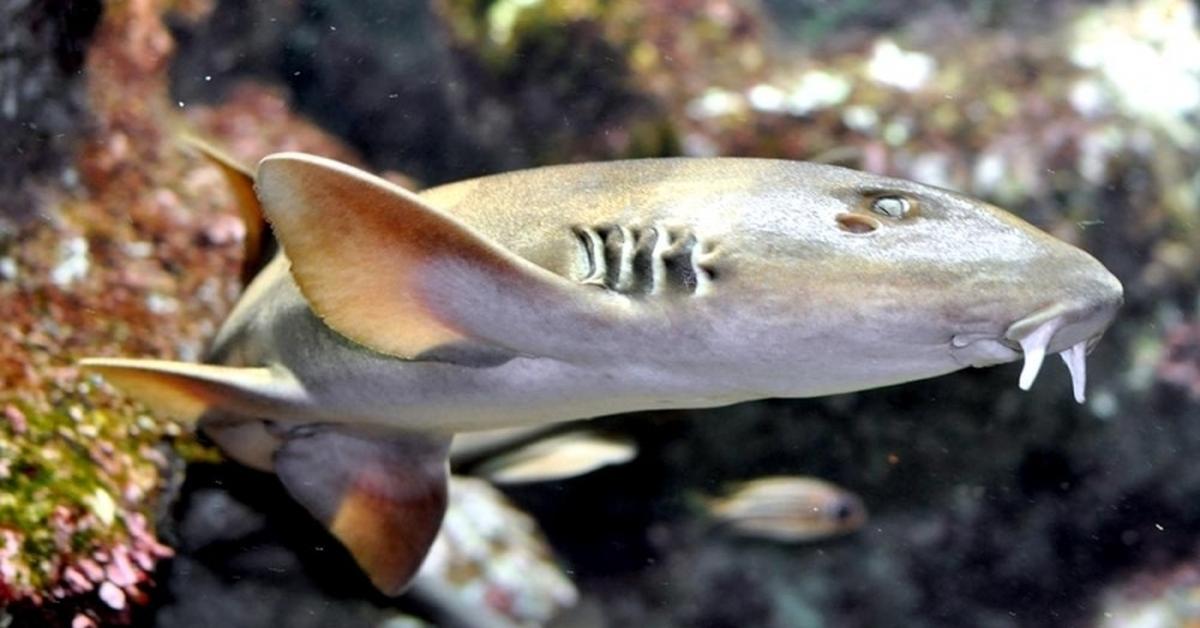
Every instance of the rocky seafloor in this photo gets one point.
(989, 506)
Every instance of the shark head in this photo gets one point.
(892, 281)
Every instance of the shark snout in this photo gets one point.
(1069, 326)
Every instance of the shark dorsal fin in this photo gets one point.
(385, 269)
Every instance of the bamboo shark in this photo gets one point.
(391, 320)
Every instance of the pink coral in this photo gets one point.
(1180, 361)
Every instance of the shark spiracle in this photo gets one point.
(644, 260)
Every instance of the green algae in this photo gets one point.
(74, 480)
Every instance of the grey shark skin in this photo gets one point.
(392, 320)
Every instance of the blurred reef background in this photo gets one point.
(989, 506)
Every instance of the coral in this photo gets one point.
(74, 508)
(493, 556)
(255, 120)
(1179, 364)
(391, 80)
(599, 79)
(1166, 598)
(382, 61)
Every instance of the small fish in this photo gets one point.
(556, 457)
(789, 509)
(391, 320)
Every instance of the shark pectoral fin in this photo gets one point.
(385, 269)
(383, 498)
(259, 245)
(186, 391)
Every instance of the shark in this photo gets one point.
(391, 320)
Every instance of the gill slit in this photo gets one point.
(650, 260)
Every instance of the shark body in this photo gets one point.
(392, 320)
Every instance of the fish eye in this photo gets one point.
(842, 511)
(891, 206)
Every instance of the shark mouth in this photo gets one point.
(1071, 334)
(1034, 347)
(1069, 327)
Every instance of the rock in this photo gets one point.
(43, 111)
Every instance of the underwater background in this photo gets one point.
(988, 506)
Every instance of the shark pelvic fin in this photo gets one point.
(259, 245)
(385, 269)
(186, 391)
(383, 498)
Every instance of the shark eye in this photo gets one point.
(891, 206)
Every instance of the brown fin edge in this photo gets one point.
(383, 499)
(186, 391)
(259, 245)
